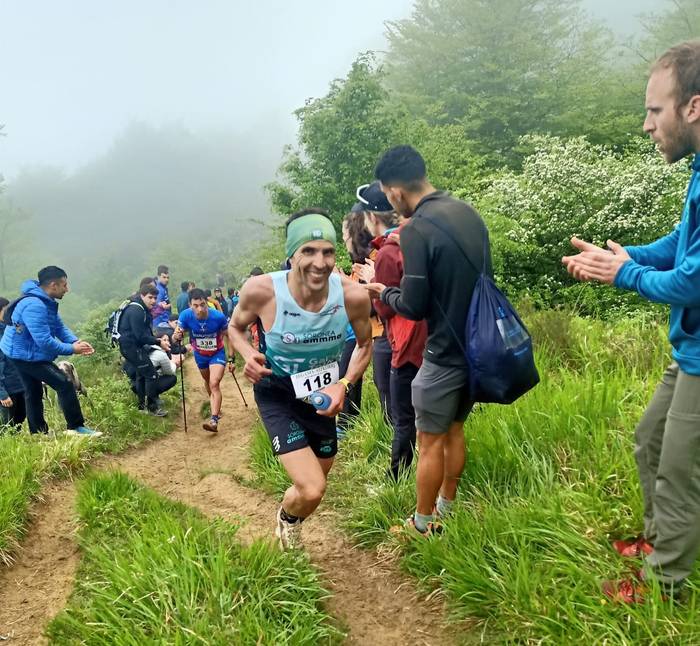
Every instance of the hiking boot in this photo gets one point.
(212, 425)
(83, 431)
(408, 527)
(633, 548)
(288, 534)
(157, 412)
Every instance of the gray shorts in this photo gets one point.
(440, 396)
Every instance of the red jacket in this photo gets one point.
(407, 338)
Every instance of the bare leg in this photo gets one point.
(308, 475)
(430, 471)
(216, 374)
(455, 458)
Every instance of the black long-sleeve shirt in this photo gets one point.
(435, 270)
(135, 325)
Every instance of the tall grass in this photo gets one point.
(27, 461)
(549, 481)
(157, 572)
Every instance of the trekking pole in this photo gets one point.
(233, 374)
(182, 390)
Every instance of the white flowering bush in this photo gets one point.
(570, 187)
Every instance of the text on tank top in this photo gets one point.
(300, 340)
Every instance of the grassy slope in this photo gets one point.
(157, 572)
(549, 481)
(27, 461)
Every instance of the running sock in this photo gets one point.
(421, 521)
(288, 518)
(444, 506)
(215, 418)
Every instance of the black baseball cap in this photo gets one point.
(372, 198)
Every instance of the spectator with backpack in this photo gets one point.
(35, 335)
(12, 407)
(132, 330)
(437, 286)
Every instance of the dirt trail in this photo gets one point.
(376, 604)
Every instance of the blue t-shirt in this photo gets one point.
(207, 335)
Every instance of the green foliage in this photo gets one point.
(341, 136)
(674, 22)
(549, 482)
(27, 461)
(571, 187)
(508, 69)
(156, 572)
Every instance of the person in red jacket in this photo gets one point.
(407, 338)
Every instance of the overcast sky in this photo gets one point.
(76, 72)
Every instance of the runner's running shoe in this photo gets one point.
(288, 534)
(212, 425)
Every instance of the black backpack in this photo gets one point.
(7, 318)
(112, 329)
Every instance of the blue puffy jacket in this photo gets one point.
(10, 382)
(37, 332)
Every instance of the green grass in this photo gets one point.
(26, 461)
(157, 572)
(549, 481)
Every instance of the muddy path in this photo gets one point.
(373, 601)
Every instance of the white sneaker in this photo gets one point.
(83, 431)
(288, 534)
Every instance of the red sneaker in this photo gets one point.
(633, 548)
(625, 591)
(630, 591)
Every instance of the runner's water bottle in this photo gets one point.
(319, 400)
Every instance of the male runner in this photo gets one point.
(206, 327)
(302, 315)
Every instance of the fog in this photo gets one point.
(131, 124)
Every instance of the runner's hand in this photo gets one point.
(375, 289)
(337, 394)
(6, 402)
(231, 367)
(255, 368)
(82, 347)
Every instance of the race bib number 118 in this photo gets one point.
(310, 381)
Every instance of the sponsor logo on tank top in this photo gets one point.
(308, 338)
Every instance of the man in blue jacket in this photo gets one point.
(161, 310)
(667, 439)
(34, 337)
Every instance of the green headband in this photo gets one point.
(308, 228)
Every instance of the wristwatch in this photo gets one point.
(347, 383)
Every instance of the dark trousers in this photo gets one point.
(145, 382)
(353, 400)
(381, 367)
(32, 374)
(15, 414)
(403, 417)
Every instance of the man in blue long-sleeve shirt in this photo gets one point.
(667, 439)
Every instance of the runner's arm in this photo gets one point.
(253, 296)
(358, 307)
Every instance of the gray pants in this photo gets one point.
(667, 450)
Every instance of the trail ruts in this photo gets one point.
(374, 603)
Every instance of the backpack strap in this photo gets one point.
(451, 235)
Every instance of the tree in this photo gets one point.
(504, 69)
(680, 21)
(11, 238)
(341, 136)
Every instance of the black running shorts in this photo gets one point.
(291, 423)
